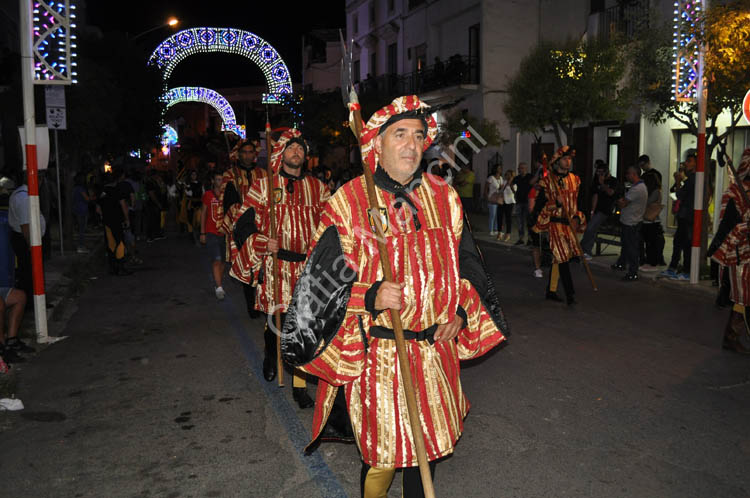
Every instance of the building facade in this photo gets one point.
(466, 51)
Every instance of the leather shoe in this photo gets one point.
(571, 300)
(331, 433)
(302, 398)
(269, 368)
(552, 296)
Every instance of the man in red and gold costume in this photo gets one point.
(558, 193)
(298, 202)
(234, 187)
(338, 326)
(731, 249)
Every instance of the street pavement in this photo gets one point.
(158, 392)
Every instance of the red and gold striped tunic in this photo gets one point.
(297, 216)
(423, 245)
(554, 216)
(731, 246)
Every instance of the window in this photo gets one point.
(393, 58)
(413, 4)
(373, 64)
(355, 71)
(391, 5)
(372, 14)
(355, 23)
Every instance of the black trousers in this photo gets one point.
(23, 263)
(652, 244)
(153, 220)
(683, 240)
(567, 280)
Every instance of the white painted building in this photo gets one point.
(396, 43)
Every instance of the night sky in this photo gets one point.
(282, 24)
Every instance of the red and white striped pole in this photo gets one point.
(695, 250)
(29, 119)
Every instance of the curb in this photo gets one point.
(650, 278)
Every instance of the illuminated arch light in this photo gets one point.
(207, 96)
(203, 40)
(169, 137)
(238, 130)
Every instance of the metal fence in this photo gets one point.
(457, 70)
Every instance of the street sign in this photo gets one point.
(56, 119)
(54, 97)
(746, 106)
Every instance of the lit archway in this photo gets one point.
(207, 96)
(203, 40)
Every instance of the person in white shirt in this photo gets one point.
(632, 207)
(19, 219)
(493, 196)
(508, 190)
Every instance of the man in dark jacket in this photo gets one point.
(683, 237)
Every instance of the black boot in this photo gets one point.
(249, 292)
(121, 271)
(302, 398)
(338, 428)
(552, 296)
(269, 360)
(571, 299)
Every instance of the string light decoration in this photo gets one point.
(685, 49)
(54, 43)
(169, 136)
(203, 40)
(207, 96)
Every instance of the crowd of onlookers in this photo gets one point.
(630, 209)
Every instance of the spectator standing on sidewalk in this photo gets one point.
(602, 202)
(464, 184)
(12, 302)
(632, 207)
(154, 207)
(19, 219)
(136, 210)
(209, 234)
(507, 188)
(652, 236)
(81, 209)
(683, 237)
(494, 197)
(522, 183)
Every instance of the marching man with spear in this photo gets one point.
(393, 295)
(560, 217)
(273, 231)
(731, 249)
(235, 183)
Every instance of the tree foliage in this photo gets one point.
(561, 84)
(458, 122)
(726, 67)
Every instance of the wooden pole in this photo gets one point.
(398, 329)
(275, 263)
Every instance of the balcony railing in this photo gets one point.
(457, 70)
(625, 19)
